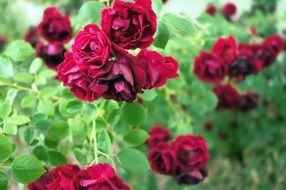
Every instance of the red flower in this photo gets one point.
(226, 49)
(130, 25)
(192, 177)
(158, 134)
(209, 67)
(248, 101)
(162, 159)
(229, 10)
(52, 54)
(247, 52)
(55, 27)
(32, 36)
(275, 44)
(211, 10)
(227, 96)
(62, 177)
(190, 152)
(99, 177)
(41, 183)
(158, 68)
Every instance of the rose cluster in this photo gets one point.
(228, 11)
(230, 98)
(227, 58)
(71, 177)
(100, 64)
(185, 159)
(49, 37)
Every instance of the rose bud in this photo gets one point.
(211, 10)
(70, 74)
(248, 102)
(55, 27)
(192, 177)
(32, 36)
(41, 183)
(227, 96)
(62, 177)
(52, 54)
(191, 152)
(158, 68)
(229, 10)
(158, 134)
(208, 126)
(99, 177)
(275, 44)
(226, 49)
(209, 67)
(162, 159)
(130, 25)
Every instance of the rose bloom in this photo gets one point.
(211, 10)
(209, 67)
(99, 177)
(158, 134)
(226, 49)
(41, 183)
(248, 101)
(229, 10)
(32, 36)
(191, 152)
(162, 159)
(275, 44)
(191, 177)
(52, 54)
(240, 68)
(227, 96)
(157, 67)
(55, 27)
(91, 48)
(130, 25)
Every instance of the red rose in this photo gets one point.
(275, 44)
(99, 177)
(62, 177)
(32, 36)
(192, 177)
(130, 25)
(52, 54)
(227, 96)
(55, 27)
(158, 134)
(211, 10)
(209, 67)
(79, 83)
(226, 49)
(263, 55)
(190, 152)
(248, 101)
(158, 68)
(41, 183)
(162, 159)
(91, 48)
(229, 10)
(241, 68)
(247, 53)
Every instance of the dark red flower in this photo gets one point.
(248, 63)
(99, 177)
(226, 49)
(158, 68)
(130, 25)
(162, 159)
(91, 48)
(55, 27)
(211, 10)
(275, 44)
(209, 67)
(62, 177)
(229, 10)
(240, 68)
(263, 55)
(78, 82)
(158, 134)
(52, 54)
(32, 36)
(248, 102)
(190, 152)
(227, 96)
(191, 177)
(41, 183)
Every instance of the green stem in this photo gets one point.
(94, 141)
(15, 86)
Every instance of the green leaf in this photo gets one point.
(41, 153)
(46, 107)
(26, 169)
(78, 128)
(29, 101)
(133, 114)
(133, 161)
(104, 141)
(43, 124)
(3, 181)
(80, 155)
(10, 128)
(5, 108)
(6, 67)
(48, 92)
(149, 95)
(57, 158)
(74, 106)
(6, 148)
(162, 36)
(157, 6)
(24, 77)
(179, 23)
(29, 135)
(136, 137)
(58, 131)
(35, 65)
(19, 50)
(20, 119)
